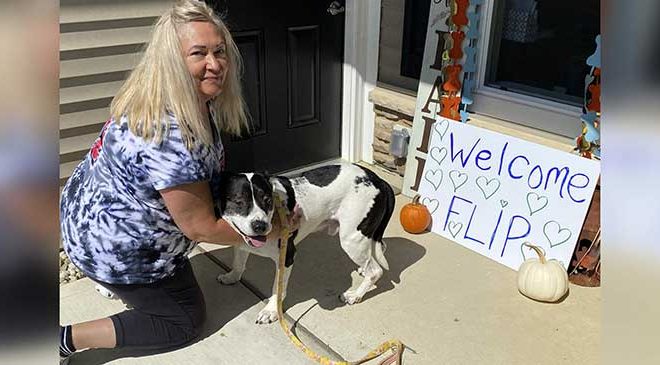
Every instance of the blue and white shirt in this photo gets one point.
(115, 225)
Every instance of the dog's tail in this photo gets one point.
(379, 254)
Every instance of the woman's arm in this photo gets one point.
(191, 207)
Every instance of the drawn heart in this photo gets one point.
(488, 187)
(434, 177)
(503, 203)
(457, 178)
(438, 154)
(441, 127)
(536, 203)
(432, 204)
(454, 228)
(555, 234)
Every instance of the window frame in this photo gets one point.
(536, 112)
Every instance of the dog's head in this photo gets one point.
(246, 200)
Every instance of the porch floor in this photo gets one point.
(447, 303)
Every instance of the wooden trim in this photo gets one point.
(361, 35)
(350, 83)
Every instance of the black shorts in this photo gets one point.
(167, 313)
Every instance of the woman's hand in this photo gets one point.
(191, 207)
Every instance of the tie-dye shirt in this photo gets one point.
(115, 225)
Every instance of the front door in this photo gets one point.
(293, 54)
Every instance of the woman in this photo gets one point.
(133, 209)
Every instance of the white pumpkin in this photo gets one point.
(541, 279)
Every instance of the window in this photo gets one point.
(531, 57)
(540, 48)
(403, 26)
(414, 37)
(533, 65)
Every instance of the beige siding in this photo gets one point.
(100, 42)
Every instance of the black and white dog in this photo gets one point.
(348, 200)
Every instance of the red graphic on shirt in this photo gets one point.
(96, 147)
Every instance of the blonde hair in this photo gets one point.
(161, 84)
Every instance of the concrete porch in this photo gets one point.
(449, 304)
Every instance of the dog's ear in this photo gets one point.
(283, 188)
(278, 188)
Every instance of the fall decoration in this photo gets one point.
(541, 279)
(415, 216)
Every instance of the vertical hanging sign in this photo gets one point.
(446, 78)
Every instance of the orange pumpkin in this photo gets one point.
(415, 217)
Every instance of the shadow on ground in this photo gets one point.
(322, 270)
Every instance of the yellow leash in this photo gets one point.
(395, 345)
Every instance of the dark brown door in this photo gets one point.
(293, 54)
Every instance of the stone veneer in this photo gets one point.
(391, 108)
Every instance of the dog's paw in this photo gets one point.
(227, 279)
(267, 316)
(105, 292)
(350, 297)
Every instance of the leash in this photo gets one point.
(396, 346)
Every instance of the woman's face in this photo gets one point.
(205, 53)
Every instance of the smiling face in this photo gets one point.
(205, 53)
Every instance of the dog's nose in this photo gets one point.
(259, 227)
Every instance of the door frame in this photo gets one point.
(360, 70)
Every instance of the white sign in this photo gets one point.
(491, 193)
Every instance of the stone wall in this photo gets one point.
(391, 108)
